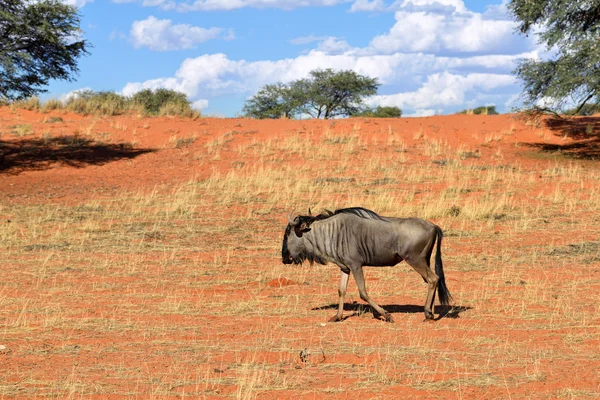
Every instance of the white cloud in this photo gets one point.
(420, 62)
(217, 75)
(332, 45)
(212, 5)
(434, 6)
(421, 113)
(164, 4)
(458, 32)
(73, 94)
(443, 90)
(497, 11)
(226, 5)
(368, 5)
(200, 104)
(308, 39)
(163, 35)
(77, 3)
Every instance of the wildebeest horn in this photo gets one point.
(290, 219)
(309, 212)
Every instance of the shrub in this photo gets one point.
(178, 109)
(169, 101)
(32, 103)
(52, 104)
(98, 103)
(482, 110)
(107, 103)
(381, 112)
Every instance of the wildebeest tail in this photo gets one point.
(443, 293)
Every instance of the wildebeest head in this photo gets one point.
(293, 249)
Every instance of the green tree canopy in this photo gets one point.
(152, 101)
(39, 41)
(571, 32)
(380, 112)
(324, 94)
(275, 101)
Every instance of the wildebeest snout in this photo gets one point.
(287, 260)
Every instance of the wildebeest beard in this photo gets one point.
(303, 255)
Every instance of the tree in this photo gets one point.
(570, 30)
(341, 93)
(39, 41)
(380, 112)
(324, 94)
(275, 101)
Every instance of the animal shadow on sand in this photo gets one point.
(359, 308)
(36, 154)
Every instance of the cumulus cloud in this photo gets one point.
(458, 32)
(212, 5)
(163, 35)
(308, 39)
(217, 75)
(368, 5)
(77, 3)
(200, 104)
(422, 113)
(444, 89)
(226, 5)
(333, 45)
(437, 56)
(435, 6)
(73, 94)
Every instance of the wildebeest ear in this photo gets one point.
(304, 227)
(301, 228)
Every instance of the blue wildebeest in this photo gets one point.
(356, 237)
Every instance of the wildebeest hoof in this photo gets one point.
(387, 317)
(429, 318)
(335, 318)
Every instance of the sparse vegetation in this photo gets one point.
(143, 290)
(160, 102)
(481, 110)
(380, 112)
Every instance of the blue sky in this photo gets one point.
(430, 56)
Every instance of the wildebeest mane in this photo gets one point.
(358, 211)
(361, 212)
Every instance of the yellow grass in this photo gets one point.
(166, 293)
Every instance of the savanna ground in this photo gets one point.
(141, 258)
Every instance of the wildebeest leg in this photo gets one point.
(422, 267)
(342, 292)
(362, 290)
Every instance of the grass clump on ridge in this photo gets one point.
(159, 102)
(482, 110)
